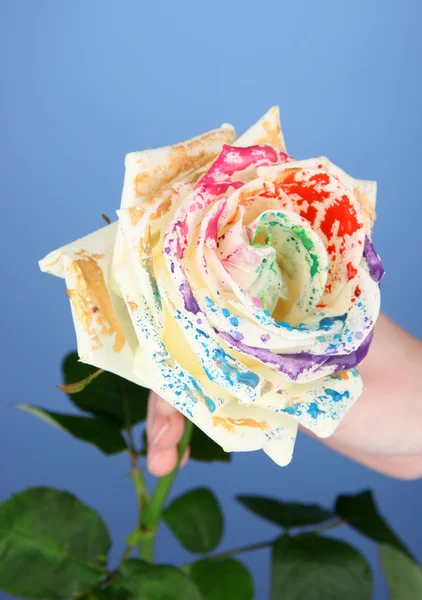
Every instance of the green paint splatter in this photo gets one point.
(303, 236)
(315, 264)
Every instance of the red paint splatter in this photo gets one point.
(232, 159)
(214, 223)
(320, 178)
(357, 291)
(311, 191)
(351, 271)
(344, 212)
(267, 193)
(310, 214)
(307, 191)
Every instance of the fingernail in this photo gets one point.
(158, 431)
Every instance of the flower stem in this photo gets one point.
(152, 513)
(242, 549)
(260, 545)
(145, 546)
(329, 525)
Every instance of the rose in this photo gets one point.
(239, 284)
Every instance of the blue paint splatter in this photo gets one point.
(202, 333)
(336, 396)
(285, 325)
(328, 322)
(234, 321)
(210, 403)
(292, 410)
(314, 411)
(222, 361)
(249, 378)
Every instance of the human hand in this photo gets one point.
(165, 425)
(382, 431)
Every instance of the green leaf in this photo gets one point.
(78, 386)
(361, 513)
(106, 396)
(404, 576)
(113, 592)
(203, 448)
(101, 433)
(51, 545)
(285, 514)
(156, 582)
(311, 567)
(226, 578)
(196, 520)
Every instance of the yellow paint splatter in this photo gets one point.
(132, 305)
(368, 211)
(92, 303)
(266, 387)
(342, 374)
(230, 424)
(272, 129)
(182, 159)
(136, 215)
(83, 252)
(52, 263)
(162, 208)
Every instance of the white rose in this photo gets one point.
(239, 284)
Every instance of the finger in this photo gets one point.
(165, 426)
(171, 431)
(185, 458)
(153, 400)
(157, 406)
(161, 461)
(165, 431)
(165, 408)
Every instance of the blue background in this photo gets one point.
(82, 83)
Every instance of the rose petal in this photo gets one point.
(219, 327)
(103, 329)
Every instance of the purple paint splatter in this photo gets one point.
(375, 267)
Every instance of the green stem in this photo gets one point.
(152, 513)
(145, 546)
(260, 545)
(139, 484)
(329, 525)
(242, 549)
